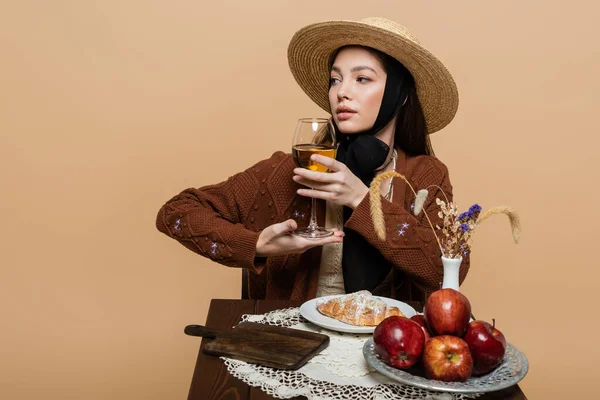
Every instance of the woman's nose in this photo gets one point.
(343, 91)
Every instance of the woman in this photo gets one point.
(385, 93)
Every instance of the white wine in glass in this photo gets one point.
(313, 136)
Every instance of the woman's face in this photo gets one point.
(357, 86)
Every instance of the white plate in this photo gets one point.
(309, 311)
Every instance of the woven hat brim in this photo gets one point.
(311, 47)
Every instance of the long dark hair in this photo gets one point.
(411, 130)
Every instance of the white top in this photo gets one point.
(331, 277)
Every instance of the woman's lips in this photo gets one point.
(344, 115)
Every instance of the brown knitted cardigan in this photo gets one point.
(223, 221)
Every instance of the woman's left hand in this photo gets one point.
(340, 186)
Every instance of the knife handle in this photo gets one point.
(202, 331)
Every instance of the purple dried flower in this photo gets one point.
(464, 216)
(474, 209)
(464, 227)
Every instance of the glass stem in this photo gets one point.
(313, 216)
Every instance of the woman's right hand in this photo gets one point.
(277, 240)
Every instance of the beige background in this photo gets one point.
(107, 109)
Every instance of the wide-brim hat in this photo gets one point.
(311, 48)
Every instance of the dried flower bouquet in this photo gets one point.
(456, 229)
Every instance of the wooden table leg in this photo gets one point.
(211, 380)
(511, 393)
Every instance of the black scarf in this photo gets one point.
(363, 265)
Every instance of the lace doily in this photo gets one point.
(339, 372)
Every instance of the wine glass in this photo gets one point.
(313, 136)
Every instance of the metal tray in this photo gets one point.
(512, 370)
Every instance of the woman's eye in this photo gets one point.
(362, 79)
(333, 80)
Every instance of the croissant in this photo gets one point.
(359, 308)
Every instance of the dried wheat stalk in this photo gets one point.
(513, 217)
(377, 212)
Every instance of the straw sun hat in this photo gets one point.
(311, 47)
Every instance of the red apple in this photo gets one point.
(399, 341)
(420, 319)
(447, 312)
(447, 358)
(487, 345)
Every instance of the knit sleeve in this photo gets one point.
(410, 243)
(210, 220)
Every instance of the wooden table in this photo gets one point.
(212, 381)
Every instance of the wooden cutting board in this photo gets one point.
(267, 345)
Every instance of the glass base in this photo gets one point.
(313, 233)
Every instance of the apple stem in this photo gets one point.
(493, 323)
